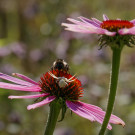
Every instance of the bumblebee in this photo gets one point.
(60, 65)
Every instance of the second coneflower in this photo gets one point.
(120, 32)
(61, 90)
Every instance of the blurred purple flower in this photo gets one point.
(36, 55)
(4, 51)
(18, 49)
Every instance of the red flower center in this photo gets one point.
(50, 84)
(115, 25)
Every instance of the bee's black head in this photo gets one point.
(60, 64)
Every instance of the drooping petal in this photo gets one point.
(105, 17)
(15, 80)
(126, 31)
(116, 120)
(76, 28)
(78, 108)
(79, 111)
(79, 26)
(113, 119)
(87, 29)
(45, 101)
(29, 96)
(93, 111)
(25, 78)
(34, 88)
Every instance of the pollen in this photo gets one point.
(115, 25)
(71, 91)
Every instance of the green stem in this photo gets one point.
(113, 87)
(52, 117)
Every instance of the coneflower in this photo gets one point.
(61, 90)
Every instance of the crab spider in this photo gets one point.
(62, 81)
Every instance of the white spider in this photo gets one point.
(62, 81)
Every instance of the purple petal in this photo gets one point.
(93, 111)
(45, 101)
(84, 28)
(88, 21)
(126, 31)
(106, 32)
(105, 17)
(15, 80)
(34, 88)
(29, 96)
(25, 78)
(133, 21)
(74, 21)
(97, 21)
(116, 120)
(99, 112)
(79, 111)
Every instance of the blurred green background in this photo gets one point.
(31, 38)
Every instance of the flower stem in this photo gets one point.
(52, 117)
(113, 87)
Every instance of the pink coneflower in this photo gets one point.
(54, 85)
(117, 29)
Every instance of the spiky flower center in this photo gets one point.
(71, 91)
(115, 25)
